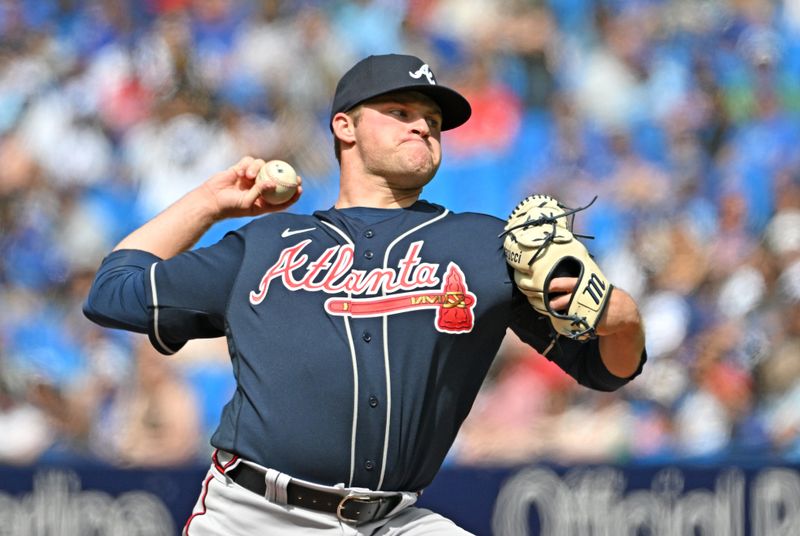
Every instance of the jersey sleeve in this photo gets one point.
(173, 300)
(581, 360)
(117, 298)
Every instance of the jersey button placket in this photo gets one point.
(371, 424)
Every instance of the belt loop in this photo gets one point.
(276, 486)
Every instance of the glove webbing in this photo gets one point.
(550, 220)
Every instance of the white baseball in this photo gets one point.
(283, 176)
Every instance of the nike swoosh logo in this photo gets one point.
(287, 233)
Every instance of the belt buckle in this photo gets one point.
(343, 503)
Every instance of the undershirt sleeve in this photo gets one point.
(581, 360)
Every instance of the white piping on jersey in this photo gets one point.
(339, 232)
(355, 371)
(355, 397)
(386, 345)
(156, 333)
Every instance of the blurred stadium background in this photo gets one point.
(681, 115)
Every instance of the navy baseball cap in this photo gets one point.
(378, 75)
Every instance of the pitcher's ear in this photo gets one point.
(343, 127)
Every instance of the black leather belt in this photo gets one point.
(352, 508)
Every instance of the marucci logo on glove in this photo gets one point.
(332, 273)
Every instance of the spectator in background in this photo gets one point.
(26, 433)
(155, 419)
(496, 109)
(371, 26)
(682, 117)
(512, 420)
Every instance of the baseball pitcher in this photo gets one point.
(360, 334)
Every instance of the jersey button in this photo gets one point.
(368, 254)
(369, 233)
(373, 401)
(369, 465)
(366, 336)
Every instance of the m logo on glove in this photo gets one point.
(596, 288)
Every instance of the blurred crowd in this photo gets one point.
(681, 116)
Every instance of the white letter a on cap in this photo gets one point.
(424, 70)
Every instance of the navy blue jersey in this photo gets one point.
(358, 345)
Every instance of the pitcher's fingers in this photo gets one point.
(254, 167)
(560, 292)
(562, 284)
(252, 196)
(560, 302)
(241, 166)
(291, 201)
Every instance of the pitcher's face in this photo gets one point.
(398, 136)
